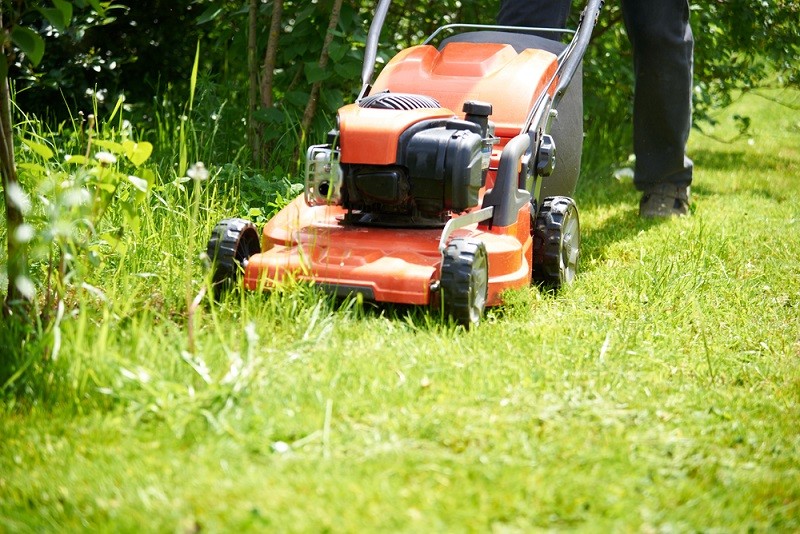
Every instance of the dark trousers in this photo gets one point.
(663, 49)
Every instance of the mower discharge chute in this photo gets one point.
(439, 185)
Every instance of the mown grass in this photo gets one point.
(661, 392)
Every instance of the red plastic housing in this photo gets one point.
(493, 73)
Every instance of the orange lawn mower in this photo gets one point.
(411, 202)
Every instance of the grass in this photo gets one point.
(660, 392)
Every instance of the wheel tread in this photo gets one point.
(547, 239)
(455, 278)
(232, 241)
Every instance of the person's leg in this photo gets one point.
(534, 13)
(662, 44)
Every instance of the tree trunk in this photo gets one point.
(17, 261)
(311, 107)
(271, 55)
(252, 68)
(268, 69)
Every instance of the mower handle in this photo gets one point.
(580, 42)
(371, 52)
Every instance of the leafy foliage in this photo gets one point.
(147, 47)
(70, 190)
(741, 46)
(72, 70)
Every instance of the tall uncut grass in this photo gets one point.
(660, 392)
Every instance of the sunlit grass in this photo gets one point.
(660, 392)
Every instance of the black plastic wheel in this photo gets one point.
(465, 280)
(232, 243)
(556, 242)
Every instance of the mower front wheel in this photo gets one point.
(556, 242)
(232, 243)
(464, 280)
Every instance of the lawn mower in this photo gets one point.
(439, 184)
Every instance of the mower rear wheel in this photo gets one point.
(232, 243)
(465, 280)
(556, 242)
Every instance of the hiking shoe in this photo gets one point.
(664, 200)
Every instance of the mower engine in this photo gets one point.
(424, 166)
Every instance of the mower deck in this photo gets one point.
(384, 264)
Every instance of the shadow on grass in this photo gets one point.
(622, 226)
(736, 161)
(598, 191)
(756, 168)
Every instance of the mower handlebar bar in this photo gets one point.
(371, 52)
(579, 44)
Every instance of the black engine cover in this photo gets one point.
(445, 167)
(379, 189)
(438, 170)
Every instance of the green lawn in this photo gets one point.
(659, 393)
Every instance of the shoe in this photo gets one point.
(664, 200)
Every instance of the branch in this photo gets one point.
(775, 100)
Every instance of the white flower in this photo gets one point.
(18, 198)
(198, 172)
(76, 196)
(281, 447)
(24, 233)
(25, 286)
(105, 158)
(624, 174)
